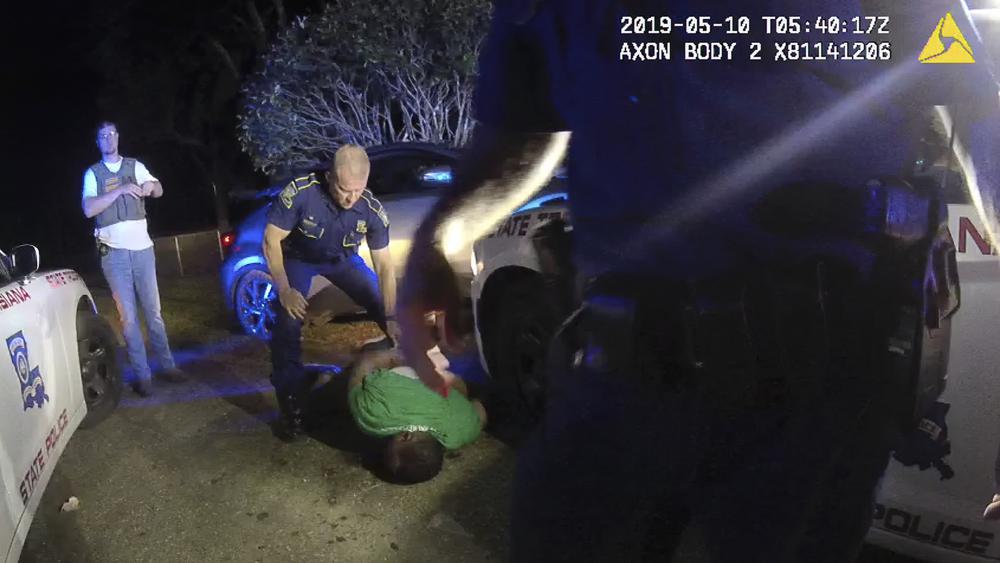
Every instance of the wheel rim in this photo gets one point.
(96, 370)
(254, 299)
(530, 349)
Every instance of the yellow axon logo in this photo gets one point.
(947, 44)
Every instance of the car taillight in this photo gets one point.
(226, 244)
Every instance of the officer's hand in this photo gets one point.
(992, 511)
(429, 284)
(132, 190)
(293, 302)
(392, 329)
(426, 370)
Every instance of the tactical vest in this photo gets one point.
(125, 208)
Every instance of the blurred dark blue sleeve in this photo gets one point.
(514, 88)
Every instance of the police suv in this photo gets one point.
(930, 508)
(59, 372)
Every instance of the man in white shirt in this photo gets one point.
(113, 195)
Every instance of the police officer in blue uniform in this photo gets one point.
(315, 228)
(730, 367)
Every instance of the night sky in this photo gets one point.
(50, 106)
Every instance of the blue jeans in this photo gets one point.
(354, 278)
(130, 273)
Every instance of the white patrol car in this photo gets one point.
(919, 512)
(59, 370)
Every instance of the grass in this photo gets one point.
(194, 313)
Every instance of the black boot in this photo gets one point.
(292, 424)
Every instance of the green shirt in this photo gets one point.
(387, 403)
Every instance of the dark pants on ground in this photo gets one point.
(765, 425)
(354, 278)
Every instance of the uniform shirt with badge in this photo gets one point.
(320, 230)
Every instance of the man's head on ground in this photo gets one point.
(107, 138)
(413, 457)
(348, 175)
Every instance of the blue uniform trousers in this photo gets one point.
(771, 450)
(353, 277)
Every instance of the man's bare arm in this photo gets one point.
(458, 384)
(152, 188)
(94, 205)
(371, 361)
(289, 297)
(273, 255)
(386, 272)
(500, 171)
(481, 411)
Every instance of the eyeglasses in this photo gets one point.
(106, 136)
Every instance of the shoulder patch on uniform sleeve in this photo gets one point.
(288, 194)
(375, 205)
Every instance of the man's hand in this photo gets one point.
(392, 329)
(992, 511)
(294, 302)
(429, 285)
(132, 190)
(147, 189)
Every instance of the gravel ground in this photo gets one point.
(193, 473)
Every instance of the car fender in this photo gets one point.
(918, 512)
(65, 295)
(57, 296)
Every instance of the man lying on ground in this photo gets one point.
(387, 400)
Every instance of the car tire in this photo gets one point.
(253, 302)
(520, 336)
(100, 366)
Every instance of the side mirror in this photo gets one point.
(25, 260)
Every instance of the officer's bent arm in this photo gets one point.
(500, 172)
(95, 204)
(156, 188)
(272, 254)
(386, 272)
